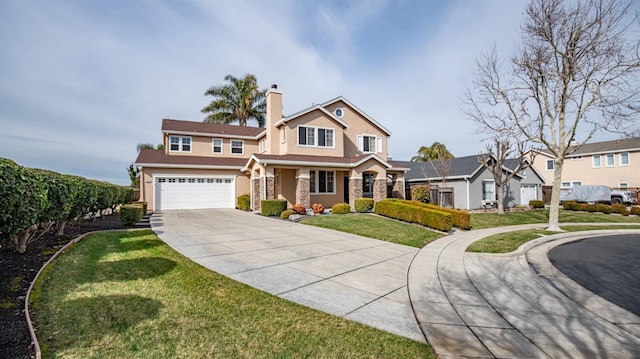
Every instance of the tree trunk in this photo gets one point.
(500, 198)
(554, 208)
(60, 227)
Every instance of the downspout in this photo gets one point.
(466, 179)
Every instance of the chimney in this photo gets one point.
(273, 115)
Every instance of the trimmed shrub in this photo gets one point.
(408, 211)
(592, 208)
(131, 214)
(420, 193)
(287, 213)
(619, 208)
(536, 204)
(317, 208)
(364, 205)
(635, 210)
(272, 207)
(243, 202)
(571, 205)
(299, 209)
(460, 219)
(341, 208)
(604, 208)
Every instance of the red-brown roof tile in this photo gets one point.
(169, 125)
(158, 157)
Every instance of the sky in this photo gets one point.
(82, 82)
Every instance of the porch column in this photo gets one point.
(398, 190)
(355, 188)
(380, 187)
(269, 182)
(303, 192)
(256, 192)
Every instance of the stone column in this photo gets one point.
(355, 190)
(270, 183)
(303, 191)
(379, 188)
(256, 193)
(398, 190)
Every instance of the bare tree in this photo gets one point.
(576, 71)
(498, 151)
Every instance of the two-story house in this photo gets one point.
(612, 163)
(328, 153)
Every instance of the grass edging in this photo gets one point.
(34, 339)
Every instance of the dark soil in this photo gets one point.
(18, 270)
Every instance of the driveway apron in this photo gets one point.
(354, 277)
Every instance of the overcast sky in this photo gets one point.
(83, 82)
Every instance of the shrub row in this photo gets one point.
(460, 219)
(35, 201)
(409, 211)
(536, 204)
(600, 207)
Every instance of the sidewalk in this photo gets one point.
(479, 305)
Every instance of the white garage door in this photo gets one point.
(194, 193)
(528, 193)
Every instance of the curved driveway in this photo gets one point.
(358, 278)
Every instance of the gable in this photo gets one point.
(355, 112)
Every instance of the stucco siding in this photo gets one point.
(314, 119)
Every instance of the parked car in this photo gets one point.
(598, 194)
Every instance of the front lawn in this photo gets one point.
(489, 220)
(128, 295)
(372, 226)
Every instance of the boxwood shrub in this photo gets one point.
(131, 214)
(408, 211)
(341, 208)
(272, 207)
(364, 205)
(287, 213)
(460, 219)
(536, 204)
(635, 210)
(244, 202)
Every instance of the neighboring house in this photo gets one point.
(473, 185)
(611, 163)
(328, 153)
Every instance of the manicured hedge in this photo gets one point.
(341, 208)
(272, 207)
(364, 205)
(244, 202)
(35, 201)
(409, 211)
(131, 214)
(460, 219)
(536, 204)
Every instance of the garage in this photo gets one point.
(528, 192)
(194, 193)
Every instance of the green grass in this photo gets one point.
(377, 227)
(489, 220)
(128, 295)
(510, 241)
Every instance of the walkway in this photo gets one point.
(477, 305)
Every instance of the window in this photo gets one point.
(488, 191)
(551, 165)
(570, 184)
(217, 145)
(179, 144)
(370, 144)
(624, 159)
(367, 185)
(623, 185)
(597, 161)
(237, 147)
(262, 146)
(322, 181)
(315, 137)
(339, 112)
(283, 135)
(611, 160)
(576, 158)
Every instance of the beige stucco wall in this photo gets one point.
(358, 125)
(147, 183)
(582, 170)
(313, 119)
(203, 146)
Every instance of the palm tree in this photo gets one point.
(437, 151)
(240, 100)
(149, 146)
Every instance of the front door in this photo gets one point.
(346, 189)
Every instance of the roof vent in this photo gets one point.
(274, 86)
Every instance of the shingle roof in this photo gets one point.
(624, 144)
(179, 126)
(309, 158)
(459, 167)
(158, 157)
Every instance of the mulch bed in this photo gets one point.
(18, 271)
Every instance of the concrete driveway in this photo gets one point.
(357, 278)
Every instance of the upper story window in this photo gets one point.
(237, 147)
(597, 161)
(370, 144)
(179, 144)
(315, 137)
(262, 146)
(283, 135)
(551, 164)
(339, 112)
(611, 160)
(624, 159)
(217, 145)
(623, 185)
(570, 184)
